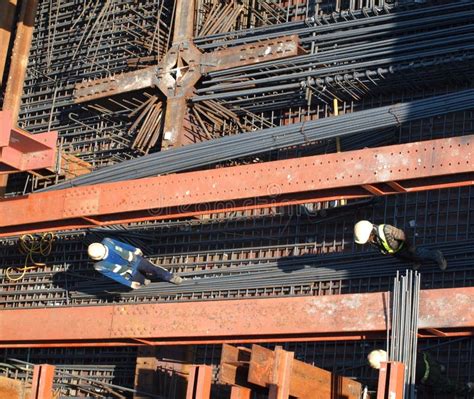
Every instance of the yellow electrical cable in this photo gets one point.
(30, 246)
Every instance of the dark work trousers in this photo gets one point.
(416, 255)
(437, 381)
(146, 269)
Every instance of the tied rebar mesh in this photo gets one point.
(403, 340)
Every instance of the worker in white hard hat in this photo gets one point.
(429, 374)
(392, 241)
(125, 264)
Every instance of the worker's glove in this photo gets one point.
(135, 285)
(138, 252)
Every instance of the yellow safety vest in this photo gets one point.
(427, 369)
(384, 241)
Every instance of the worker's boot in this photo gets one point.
(176, 280)
(441, 260)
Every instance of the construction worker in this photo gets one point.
(390, 240)
(126, 265)
(429, 374)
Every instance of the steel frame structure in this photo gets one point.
(21, 151)
(181, 68)
(443, 163)
(338, 317)
(279, 371)
(354, 174)
(42, 385)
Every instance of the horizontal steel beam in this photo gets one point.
(117, 84)
(351, 316)
(159, 75)
(251, 53)
(352, 174)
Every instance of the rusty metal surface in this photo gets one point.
(176, 109)
(433, 306)
(391, 380)
(155, 364)
(297, 378)
(240, 393)
(181, 69)
(42, 385)
(12, 389)
(182, 66)
(117, 84)
(346, 316)
(199, 382)
(21, 151)
(282, 374)
(234, 363)
(146, 375)
(252, 53)
(7, 20)
(184, 22)
(439, 163)
(19, 59)
(72, 166)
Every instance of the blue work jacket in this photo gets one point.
(120, 263)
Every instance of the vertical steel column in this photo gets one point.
(7, 24)
(280, 387)
(19, 62)
(391, 381)
(176, 105)
(199, 382)
(42, 386)
(153, 360)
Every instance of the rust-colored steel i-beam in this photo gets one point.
(282, 374)
(391, 380)
(353, 174)
(7, 22)
(332, 317)
(21, 151)
(199, 382)
(19, 59)
(43, 378)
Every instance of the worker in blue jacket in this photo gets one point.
(125, 264)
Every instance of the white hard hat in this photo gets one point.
(97, 251)
(376, 357)
(362, 231)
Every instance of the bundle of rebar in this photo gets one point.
(351, 58)
(242, 145)
(68, 377)
(291, 276)
(403, 340)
